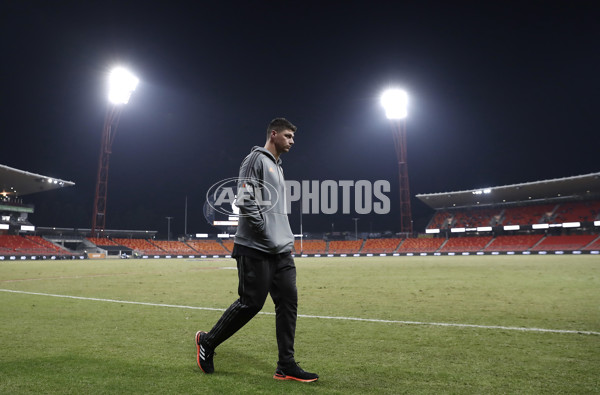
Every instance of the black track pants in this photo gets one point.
(275, 274)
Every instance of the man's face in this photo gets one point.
(283, 140)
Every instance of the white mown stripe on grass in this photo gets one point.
(509, 328)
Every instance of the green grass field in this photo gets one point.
(52, 344)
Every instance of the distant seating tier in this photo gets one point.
(380, 246)
(101, 241)
(310, 247)
(30, 245)
(570, 242)
(513, 243)
(583, 211)
(48, 244)
(577, 212)
(528, 215)
(142, 245)
(595, 245)
(466, 244)
(420, 245)
(228, 244)
(174, 247)
(208, 247)
(476, 217)
(345, 246)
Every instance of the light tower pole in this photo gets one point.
(121, 85)
(169, 228)
(395, 103)
(355, 228)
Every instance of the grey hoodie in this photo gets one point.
(263, 222)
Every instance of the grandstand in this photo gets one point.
(380, 246)
(310, 247)
(209, 247)
(551, 216)
(345, 246)
(141, 245)
(421, 245)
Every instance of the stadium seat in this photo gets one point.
(594, 245)
(310, 247)
(420, 245)
(141, 245)
(19, 245)
(475, 217)
(380, 246)
(345, 246)
(101, 241)
(49, 245)
(228, 244)
(513, 243)
(208, 247)
(577, 212)
(564, 243)
(466, 244)
(174, 247)
(528, 215)
(441, 220)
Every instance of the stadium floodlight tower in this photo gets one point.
(395, 103)
(121, 84)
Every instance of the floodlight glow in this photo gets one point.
(571, 224)
(395, 103)
(121, 84)
(512, 227)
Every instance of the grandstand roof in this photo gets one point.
(15, 182)
(585, 186)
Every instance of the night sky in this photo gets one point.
(500, 93)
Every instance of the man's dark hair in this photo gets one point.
(279, 125)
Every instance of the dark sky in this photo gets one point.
(500, 92)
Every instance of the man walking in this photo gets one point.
(262, 249)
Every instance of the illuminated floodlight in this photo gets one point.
(395, 103)
(121, 84)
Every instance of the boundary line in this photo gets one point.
(443, 324)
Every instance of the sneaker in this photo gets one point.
(293, 371)
(205, 353)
